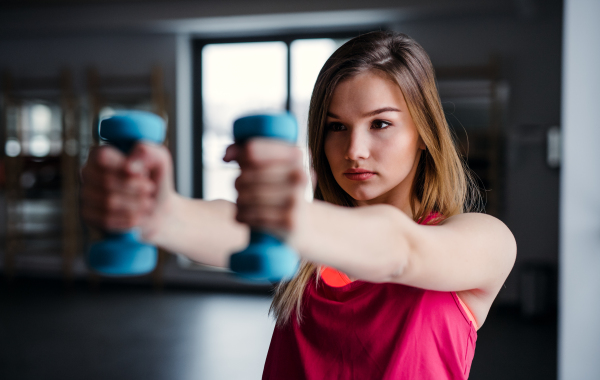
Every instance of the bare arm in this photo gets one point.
(204, 231)
(471, 254)
(120, 193)
(381, 244)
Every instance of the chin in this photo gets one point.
(363, 196)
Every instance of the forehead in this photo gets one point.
(366, 91)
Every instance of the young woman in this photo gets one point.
(396, 276)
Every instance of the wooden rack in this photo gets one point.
(18, 93)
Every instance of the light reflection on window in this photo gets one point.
(307, 58)
(237, 79)
(244, 78)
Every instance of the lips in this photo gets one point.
(358, 174)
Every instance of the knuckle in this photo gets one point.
(134, 185)
(111, 202)
(286, 222)
(130, 220)
(102, 156)
(147, 206)
(261, 220)
(251, 151)
(239, 184)
(140, 149)
(164, 153)
(143, 148)
(240, 217)
(108, 181)
(298, 176)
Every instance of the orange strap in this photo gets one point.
(469, 314)
(334, 277)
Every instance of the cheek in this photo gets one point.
(397, 154)
(331, 151)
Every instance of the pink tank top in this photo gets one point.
(373, 331)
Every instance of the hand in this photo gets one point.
(271, 185)
(121, 192)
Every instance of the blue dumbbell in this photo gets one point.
(122, 253)
(266, 258)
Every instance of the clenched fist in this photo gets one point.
(271, 185)
(121, 192)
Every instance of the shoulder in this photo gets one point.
(496, 243)
(482, 226)
(463, 252)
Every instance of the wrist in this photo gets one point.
(303, 233)
(164, 222)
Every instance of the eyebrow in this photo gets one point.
(369, 114)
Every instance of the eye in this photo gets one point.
(380, 124)
(335, 127)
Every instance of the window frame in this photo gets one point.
(197, 109)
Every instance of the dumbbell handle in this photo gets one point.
(266, 258)
(122, 253)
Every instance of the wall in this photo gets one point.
(111, 54)
(579, 331)
(529, 50)
(456, 33)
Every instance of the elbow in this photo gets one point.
(393, 270)
(512, 249)
(395, 273)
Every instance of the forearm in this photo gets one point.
(204, 231)
(370, 243)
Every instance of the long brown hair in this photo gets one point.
(442, 182)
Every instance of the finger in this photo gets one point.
(260, 152)
(110, 222)
(102, 161)
(260, 216)
(231, 153)
(269, 175)
(143, 158)
(114, 216)
(271, 217)
(115, 203)
(153, 161)
(266, 195)
(106, 157)
(119, 182)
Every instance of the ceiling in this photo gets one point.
(19, 17)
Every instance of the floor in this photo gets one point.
(131, 332)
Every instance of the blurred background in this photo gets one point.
(503, 69)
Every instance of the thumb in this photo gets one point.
(232, 153)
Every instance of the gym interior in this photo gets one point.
(518, 82)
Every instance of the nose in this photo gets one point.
(357, 146)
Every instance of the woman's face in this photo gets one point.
(372, 144)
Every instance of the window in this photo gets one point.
(238, 78)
